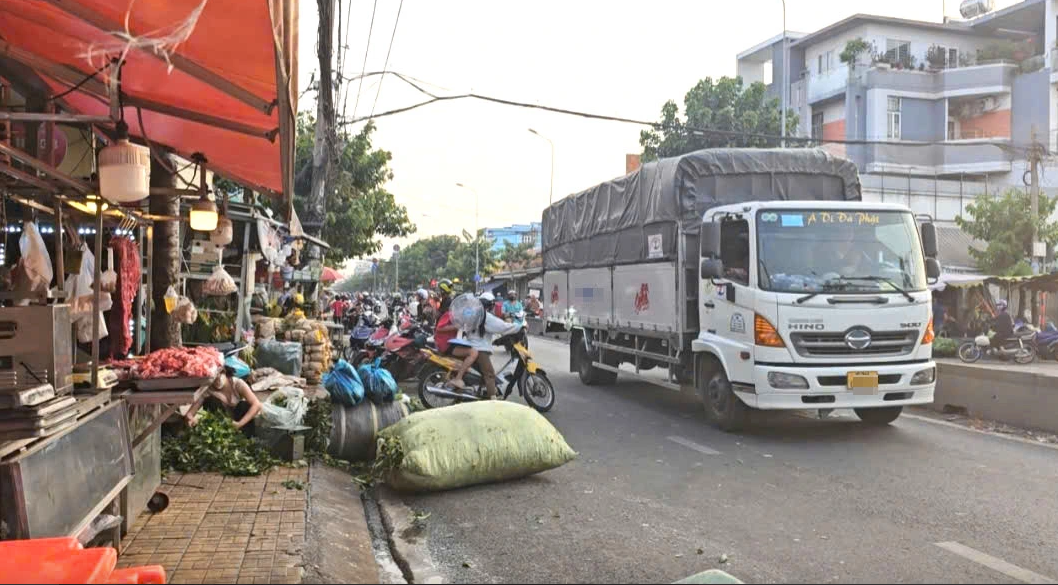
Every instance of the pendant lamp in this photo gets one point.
(124, 169)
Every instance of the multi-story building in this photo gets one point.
(514, 235)
(943, 111)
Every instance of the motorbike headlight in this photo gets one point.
(786, 381)
(927, 376)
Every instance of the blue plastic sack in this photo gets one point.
(343, 384)
(241, 369)
(379, 384)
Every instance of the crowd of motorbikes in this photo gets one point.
(1026, 345)
(384, 331)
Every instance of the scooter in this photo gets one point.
(1021, 348)
(520, 371)
(361, 333)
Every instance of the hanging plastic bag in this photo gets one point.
(79, 287)
(285, 408)
(185, 311)
(171, 298)
(106, 302)
(108, 281)
(36, 262)
(84, 328)
(222, 235)
(220, 283)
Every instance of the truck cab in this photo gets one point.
(814, 305)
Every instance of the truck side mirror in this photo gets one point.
(712, 268)
(932, 270)
(710, 236)
(929, 240)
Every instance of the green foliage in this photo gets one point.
(936, 56)
(1005, 224)
(724, 105)
(438, 257)
(214, 444)
(854, 48)
(516, 255)
(318, 419)
(944, 347)
(997, 50)
(359, 209)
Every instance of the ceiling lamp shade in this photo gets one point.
(203, 215)
(124, 169)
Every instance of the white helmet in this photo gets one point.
(422, 293)
(487, 297)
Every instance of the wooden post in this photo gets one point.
(96, 293)
(165, 269)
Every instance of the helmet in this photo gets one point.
(445, 286)
(488, 299)
(1001, 305)
(512, 295)
(422, 293)
(397, 296)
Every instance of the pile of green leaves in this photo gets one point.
(215, 445)
(318, 419)
(944, 347)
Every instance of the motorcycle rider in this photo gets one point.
(1003, 325)
(512, 306)
(481, 340)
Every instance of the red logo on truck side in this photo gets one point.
(554, 294)
(642, 298)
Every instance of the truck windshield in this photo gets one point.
(839, 251)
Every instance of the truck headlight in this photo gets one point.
(924, 377)
(787, 381)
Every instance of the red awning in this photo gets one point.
(225, 91)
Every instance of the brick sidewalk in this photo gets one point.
(224, 529)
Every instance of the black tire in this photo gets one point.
(1026, 355)
(879, 416)
(969, 352)
(589, 374)
(432, 374)
(538, 391)
(723, 408)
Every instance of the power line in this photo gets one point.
(367, 50)
(396, 21)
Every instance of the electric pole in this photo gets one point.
(1039, 249)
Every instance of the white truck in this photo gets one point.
(756, 278)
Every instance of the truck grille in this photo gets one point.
(883, 344)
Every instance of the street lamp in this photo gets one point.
(551, 194)
(785, 74)
(477, 238)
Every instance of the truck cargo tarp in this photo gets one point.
(636, 218)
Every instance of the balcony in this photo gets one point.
(988, 78)
(828, 85)
(949, 158)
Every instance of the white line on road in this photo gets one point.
(692, 445)
(1012, 571)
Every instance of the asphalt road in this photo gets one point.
(795, 500)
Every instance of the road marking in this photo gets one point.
(949, 424)
(692, 445)
(999, 565)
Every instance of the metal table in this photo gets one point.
(172, 399)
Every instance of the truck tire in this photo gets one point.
(589, 374)
(722, 407)
(879, 416)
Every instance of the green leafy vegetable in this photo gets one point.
(215, 445)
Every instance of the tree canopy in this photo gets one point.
(1005, 224)
(717, 105)
(432, 258)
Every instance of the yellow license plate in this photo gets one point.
(863, 382)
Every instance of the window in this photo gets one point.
(817, 125)
(893, 119)
(825, 62)
(734, 250)
(768, 73)
(953, 129)
(529, 238)
(950, 56)
(898, 52)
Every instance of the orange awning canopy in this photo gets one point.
(216, 77)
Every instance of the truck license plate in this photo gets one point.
(863, 383)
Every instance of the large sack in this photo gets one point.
(285, 357)
(473, 443)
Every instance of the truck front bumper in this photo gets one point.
(827, 386)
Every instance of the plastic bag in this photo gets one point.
(343, 384)
(185, 311)
(379, 384)
(240, 369)
(220, 283)
(106, 302)
(285, 408)
(36, 262)
(84, 328)
(171, 298)
(283, 356)
(473, 443)
(108, 281)
(79, 287)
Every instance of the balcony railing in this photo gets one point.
(982, 156)
(828, 84)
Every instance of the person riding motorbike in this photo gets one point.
(1003, 325)
(446, 290)
(481, 339)
(511, 307)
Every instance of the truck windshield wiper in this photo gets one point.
(886, 280)
(829, 286)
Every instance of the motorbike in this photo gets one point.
(1021, 348)
(520, 371)
(365, 326)
(398, 350)
(1047, 342)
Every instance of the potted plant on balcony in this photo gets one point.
(853, 49)
(937, 58)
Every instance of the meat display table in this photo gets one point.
(171, 399)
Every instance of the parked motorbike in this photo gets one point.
(398, 350)
(362, 331)
(1021, 348)
(520, 371)
(1047, 342)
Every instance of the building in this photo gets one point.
(515, 235)
(950, 106)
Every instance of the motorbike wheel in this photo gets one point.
(969, 352)
(433, 376)
(538, 392)
(360, 358)
(1027, 355)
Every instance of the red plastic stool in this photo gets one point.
(64, 560)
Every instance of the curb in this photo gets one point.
(408, 541)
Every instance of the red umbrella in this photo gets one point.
(330, 275)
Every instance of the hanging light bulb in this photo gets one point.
(90, 205)
(124, 169)
(203, 214)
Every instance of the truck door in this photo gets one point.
(731, 315)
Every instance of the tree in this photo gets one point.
(358, 208)
(1005, 224)
(516, 255)
(722, 105)
(440, 257)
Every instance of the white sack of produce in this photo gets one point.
(220, 283)
(469, 444)
(285, 408)
(36, 262)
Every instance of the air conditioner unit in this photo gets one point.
(988, 104)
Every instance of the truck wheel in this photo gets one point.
(879, 416)
(722, 406)
(589, 374)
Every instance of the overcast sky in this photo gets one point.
(612, 57)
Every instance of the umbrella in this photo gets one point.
(330, 275)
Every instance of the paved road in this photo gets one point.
(797, 500)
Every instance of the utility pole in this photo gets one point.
(1039, 249)
(785, 74)
(324, 139)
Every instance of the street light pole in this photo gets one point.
(551, 194)
(785, 71)
(477, 237)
